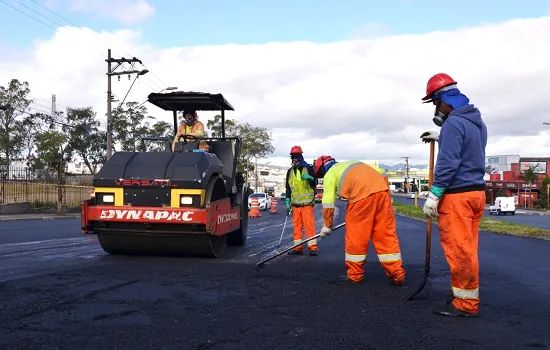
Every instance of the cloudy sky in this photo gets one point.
(341, 78)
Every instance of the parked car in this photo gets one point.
(319, 193)
(503, 205)
(282, 196)
(264, 200)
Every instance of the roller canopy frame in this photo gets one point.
(182, 100)
(191, 100)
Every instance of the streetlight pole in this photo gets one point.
(143, 72)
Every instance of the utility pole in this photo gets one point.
(407, 170)
(256, 171)
(53, 105)
(111, 72)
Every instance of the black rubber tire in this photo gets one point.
(238, 237)
(215, 191)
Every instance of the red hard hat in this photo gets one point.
(437, 82)
(296, 150)
(322, 160)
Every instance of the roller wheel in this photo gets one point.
(238, 237)
(215, 191)
(145, 242)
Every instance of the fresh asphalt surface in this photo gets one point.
(60, 290)
(539, 221)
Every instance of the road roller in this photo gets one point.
(180, 201)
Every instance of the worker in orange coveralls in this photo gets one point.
(191, 126)
(300, 200)
(457, 195)
(369, 215)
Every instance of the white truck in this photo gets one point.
(503, 205)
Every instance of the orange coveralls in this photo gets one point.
(197, 129)
(458, 222)
(369, 215)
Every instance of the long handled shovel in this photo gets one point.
(261, 263)
(428, 230)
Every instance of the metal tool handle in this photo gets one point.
(296, 245)
(282, 233)
(428, 252)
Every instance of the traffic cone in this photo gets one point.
(254, 209)
(273, 209)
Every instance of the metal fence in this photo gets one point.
(40, 188)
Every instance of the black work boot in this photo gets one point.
(348, 281)
(398, 283)
(313, 252)
(450, 310)
(296, 252)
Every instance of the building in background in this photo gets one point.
(267, 175)
(504, 176)
(496, 165)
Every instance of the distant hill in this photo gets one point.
(401, 166)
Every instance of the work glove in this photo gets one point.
(325, 231)
(307, 177)
(287, 205)
(431, 205)
(429, 136)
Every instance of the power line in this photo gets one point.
(62, 26)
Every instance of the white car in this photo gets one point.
(264, 201)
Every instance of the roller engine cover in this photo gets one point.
(189, 170)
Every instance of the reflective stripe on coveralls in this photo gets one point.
(459, 218)
(302, 198)
(302, 193)
(381, 257)
(369, 215)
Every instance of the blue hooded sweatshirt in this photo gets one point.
(460, 165)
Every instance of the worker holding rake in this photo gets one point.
(457, 195)
(369, 215)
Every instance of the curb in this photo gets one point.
(543, 238)
(40, 218)
(532, 213)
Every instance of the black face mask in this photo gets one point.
(439, 118)
(296, 163)
(189, 120)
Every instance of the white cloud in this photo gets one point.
(351, 99)
(125, 11)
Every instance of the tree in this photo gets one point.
(130, 124)
(161, 129)
(53, 153)
(215, 126)
(544, 199)
(257, 141)
(85, 138)
(14, 102)
(72, 133)
(29, 129)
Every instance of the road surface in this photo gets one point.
(59, 290)
(540, 221)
